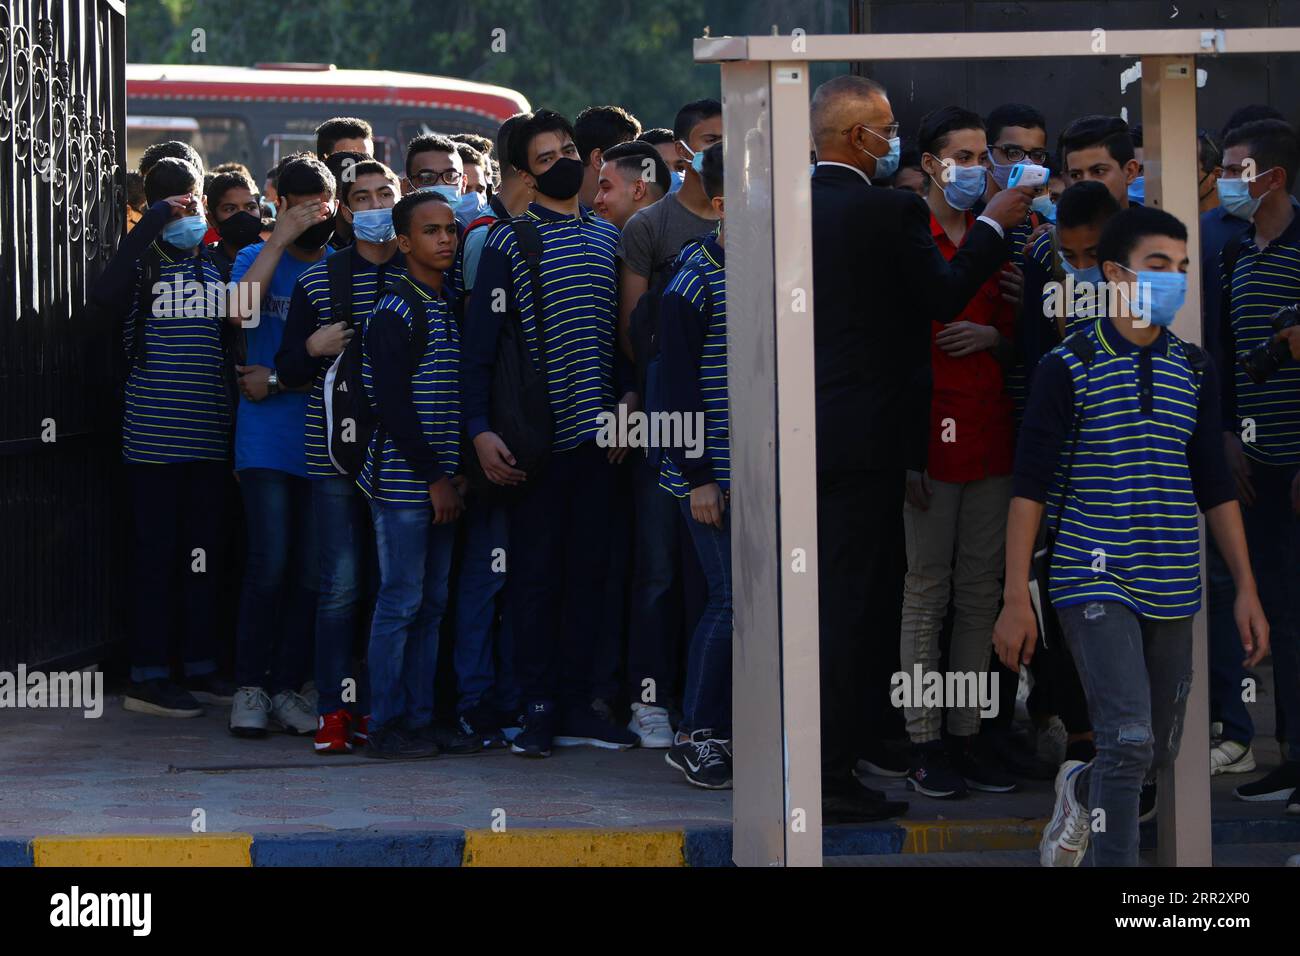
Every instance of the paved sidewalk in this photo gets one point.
(125, 773)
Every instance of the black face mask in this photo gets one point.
(562, 180)
(316, 236)
(240, 230)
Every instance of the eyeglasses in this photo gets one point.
(1014, 154)
(891, 130)
(429, 177)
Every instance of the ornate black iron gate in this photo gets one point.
(62, 183)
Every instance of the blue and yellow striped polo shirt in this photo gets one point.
(368, 280)
(1262, 282)
(177, 408)
(386, 476)
(1128, 528)
(579, 279)
(693, 345)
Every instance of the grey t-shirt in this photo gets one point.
(657, 232)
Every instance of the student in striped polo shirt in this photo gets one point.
(1262, 420)
(313, 337)
(559, 524)
(411, 476)
(1121, 444)
(175, 441)
(693, 357)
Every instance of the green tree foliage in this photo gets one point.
(565, 55)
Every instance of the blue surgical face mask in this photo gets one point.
(886, 165)
(678, 178)
(1137, 190)
(470, 206)
(1044, 206)
(373, 225)
(449, 193)
(697, 162)
(1160, 295)
(966, 187)
(1236, 200)
(1091, 274)
(185, 233)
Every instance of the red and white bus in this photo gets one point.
(255, 115)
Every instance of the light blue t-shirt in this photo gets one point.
(271, 433)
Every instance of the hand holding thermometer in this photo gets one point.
(1027, 174)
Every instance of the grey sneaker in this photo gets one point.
(292, 714)
(250, 712)
(1229, 756)
(1065, 839)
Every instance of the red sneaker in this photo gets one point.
(334, 733)
(360, 730)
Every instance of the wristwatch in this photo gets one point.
(273, 383)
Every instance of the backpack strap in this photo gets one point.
(529, 241)
(338, 267)
(1082, 347)
(150, 275)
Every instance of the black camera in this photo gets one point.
(1262, 361)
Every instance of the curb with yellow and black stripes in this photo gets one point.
(695, 847)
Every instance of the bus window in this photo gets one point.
(217, 139)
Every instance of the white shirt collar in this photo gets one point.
(827, 162)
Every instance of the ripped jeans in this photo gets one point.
(1136, 674)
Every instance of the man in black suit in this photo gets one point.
(878, 280)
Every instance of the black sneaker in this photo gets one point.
(538, 731)
(932, 774)
(1011, 752)
(881, 760)
(1147, 803)
(1293, 804)
(211, 689)
(1280, 784)
(979, 772)
(703, 759)
(483, 724)
(453, 742)
(845, 800)
(593, 726)
(161, 698)
(393, 743)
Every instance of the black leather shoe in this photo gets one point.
(851, 808)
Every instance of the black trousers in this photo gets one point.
(861, 561)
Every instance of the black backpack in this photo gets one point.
(644, 321)
(520, 399)
(350, 422)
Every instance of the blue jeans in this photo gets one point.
(1226, 653)
(277, 606)
(414, 566)
(482, 677)
(1136, 674)
(346, 545)
(707, 700)
(1273, 535)
(655, 624)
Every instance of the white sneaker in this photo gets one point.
(249, 712)
(650, 724)
(292, 714)
(1065, 839)
(1228, 756)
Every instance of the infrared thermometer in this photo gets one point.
(1027, 174)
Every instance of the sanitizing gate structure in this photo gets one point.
(765, 85)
